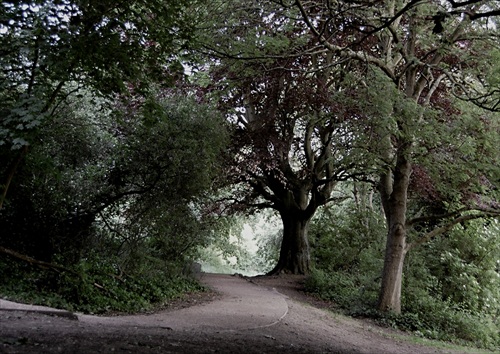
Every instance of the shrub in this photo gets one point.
(451, 287)
(93, 286)
(337, 287)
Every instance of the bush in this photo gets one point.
(451, 288)
(113, 194)
(452, 285)
(347, 257)
(338, 287)
(433, 318)
(93, 286)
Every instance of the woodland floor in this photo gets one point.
(254, 315)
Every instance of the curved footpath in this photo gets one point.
(246, 318)
(243, 306)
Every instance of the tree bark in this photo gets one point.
(11, 174)
(295, 253)
(392, 275)
(395, 207)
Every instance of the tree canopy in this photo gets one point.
(127, 129)
(400, 69)
(105, 162)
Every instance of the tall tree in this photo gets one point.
(291, 144)
(425, 53)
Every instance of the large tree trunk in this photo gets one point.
(392, 275)
(294, 254)
(395, 206)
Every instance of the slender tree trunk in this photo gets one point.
(11, 173)
(294, 254)
(395, 207)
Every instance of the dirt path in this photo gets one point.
(247, 317)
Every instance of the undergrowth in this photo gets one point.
(92, 286)
(422, 314)
(450, 290)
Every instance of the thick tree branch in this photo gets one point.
(12, 172)
(308, 146)
(435, 217)
(448, 226)
(34, 261)
(361, 56)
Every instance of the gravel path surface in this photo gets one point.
(264, 315)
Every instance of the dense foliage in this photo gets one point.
(364, 91)
(451, 284)
(104, 165)
(111, 183)
(95, 285)
(52, 49)
(131, 133)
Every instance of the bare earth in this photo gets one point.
(258, 315)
